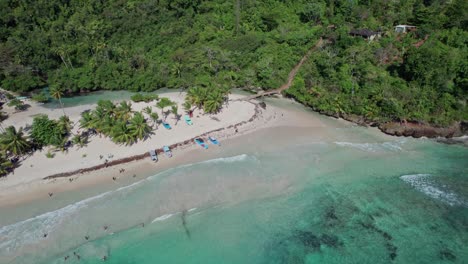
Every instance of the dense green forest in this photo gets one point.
(144, 45)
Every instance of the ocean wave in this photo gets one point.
(238, 158)
(162, 218)
(32, 230)
(394, 146)
(424, 184)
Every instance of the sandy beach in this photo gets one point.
(28, 182)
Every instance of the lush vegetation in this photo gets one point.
(119, 122)
(138, 97)
(74, 46)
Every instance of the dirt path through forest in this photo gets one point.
(291, 76)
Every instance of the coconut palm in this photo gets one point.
(148, 110)
(174, 111)
(197, 96)
(57, 94)
(105, 125)
(14, 142)
(187, 106)
(124, 110)
(5, 165)
(80, 140)
(154, 117)
(214, 101)
(163, 103)
(138, 126)
(122, 134)
(64, 124)
(107, 107)
(86, 120)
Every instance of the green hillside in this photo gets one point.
(146, 45)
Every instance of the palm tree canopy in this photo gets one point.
(164, 102)
(5, 165)
(56, 92)
(14, 141)
(122, 134)
(124, 110)
(148, 110)
(64, 124)
(138, 126)
(107, 107)
(175, 109)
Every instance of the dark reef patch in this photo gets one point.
(447, 254)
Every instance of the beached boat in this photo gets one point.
(166, 125)
(202, 143)
(214, 141)
(188, 120)
(154, 156)
(167, 151)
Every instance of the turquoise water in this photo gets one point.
(94, 97)
(350, 196)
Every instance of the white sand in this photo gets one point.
(27, 181)
(39, 166)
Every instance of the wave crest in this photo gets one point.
(394, 146)
(424, 184)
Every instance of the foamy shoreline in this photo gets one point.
(27, 183)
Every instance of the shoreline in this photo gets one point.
(175, 146)
(136, 167)
(412, 129)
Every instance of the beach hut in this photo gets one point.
(366, 33)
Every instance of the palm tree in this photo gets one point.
(148, 110)
(187, 107)
(14, 142)
(57, 94)
(214, 101)
(138, 126)
(163, 103)
(105, 125)
(65, 125)
(5, 165)
(174, 110)
(155, 117)
(80, 140)
(122, 134)
(86, 120)
(197, 96)
(124, 110)
(107, 107)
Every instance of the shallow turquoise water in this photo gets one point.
(94, 97)
(354, 197)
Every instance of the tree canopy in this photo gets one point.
(145, 45)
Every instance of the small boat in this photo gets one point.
(166, 125)
(167, 151)
(202, 143)
(154, 156)
(188, 120)
(214, 141)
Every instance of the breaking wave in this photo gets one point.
(424, 184)
(394, 146)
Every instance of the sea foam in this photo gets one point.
(394, 146)
(424, 184)
(31, 230)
